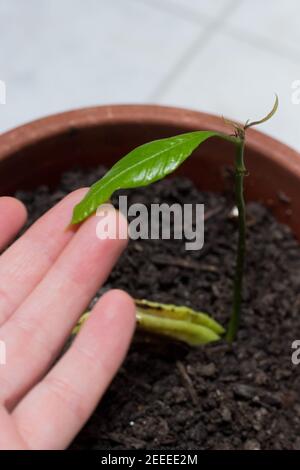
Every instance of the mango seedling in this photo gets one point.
(152, 162)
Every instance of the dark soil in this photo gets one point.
(167, 396)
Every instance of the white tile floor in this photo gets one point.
(221, 56)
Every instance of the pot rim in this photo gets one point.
(27, 134)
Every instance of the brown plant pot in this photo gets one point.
(40, 151)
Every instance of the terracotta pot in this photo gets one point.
(40, 151)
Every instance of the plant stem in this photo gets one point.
(240, 171)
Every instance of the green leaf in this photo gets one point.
(142, 166)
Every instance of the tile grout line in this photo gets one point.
(256, 40)
(252, 39)
(197, 44)
(247, 37)
(177, 11)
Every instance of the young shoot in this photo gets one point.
(152, 162)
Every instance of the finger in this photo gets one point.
(13, 216)
(10, 438)
(35, 334)
(25, 263)
(55, 410)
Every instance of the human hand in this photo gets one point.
(47, 279)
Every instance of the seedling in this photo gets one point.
(152, 162)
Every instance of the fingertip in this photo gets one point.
(14, 209)
(77, 194)
(125, 301)
(111, 224)
(108, 330)
(13, 215)
(122, 305)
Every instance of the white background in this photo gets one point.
(222, 56)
